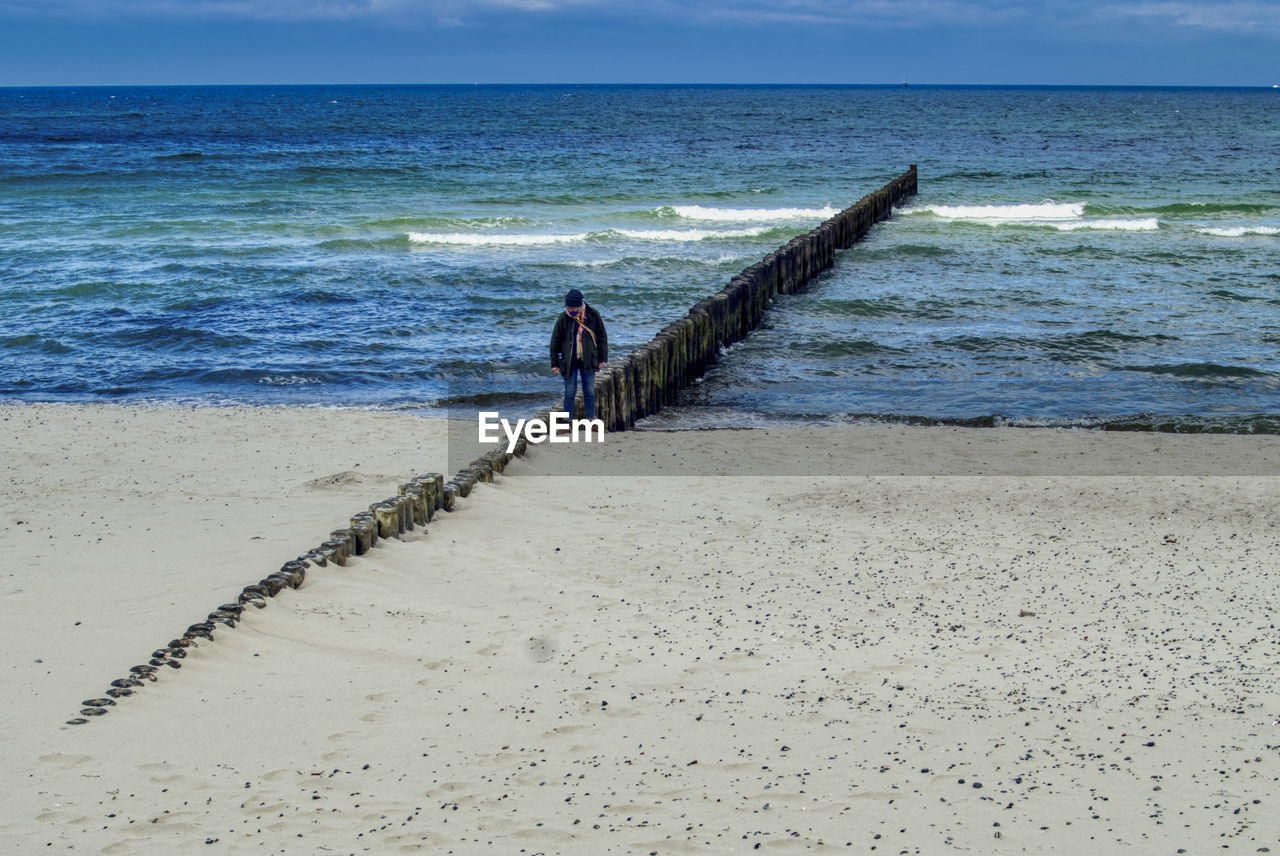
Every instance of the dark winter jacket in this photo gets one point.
(594, 351)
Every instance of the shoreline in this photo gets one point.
(1185, 424)
(614, 630)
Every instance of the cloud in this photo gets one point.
(894, 13)
(1044, 15)
(1234, 17)
(751, 12)
(277, 10)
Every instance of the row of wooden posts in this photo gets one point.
(627, 389)
(412, 508)
(650, 377)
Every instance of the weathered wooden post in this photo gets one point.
(388, 515)
(335, 550)
(406, 512)
(604, 396)
(416, 499)
(348, 537)
(365, 527)
(433, 484)
(463, 482)
(497, 460)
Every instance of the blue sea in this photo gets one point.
(1101, 257)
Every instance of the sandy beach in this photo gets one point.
(867, 639)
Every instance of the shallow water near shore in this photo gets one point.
(1091, 257)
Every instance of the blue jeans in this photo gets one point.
(588, 390)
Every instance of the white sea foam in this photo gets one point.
(750, 215)
(1145, 224)
(473, 239)
(1063, 216)
(1047, 210)
(1239, 231)
(468, 239)
(688, 234)
(684, 260)
(287, 380)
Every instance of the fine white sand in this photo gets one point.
(1027, 641)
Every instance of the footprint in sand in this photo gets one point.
(57, 759)
(337, 481)
(174, 780)
(541, 649)
(276, 775)
(565, 730)
(266, 809)
(457, 790)
(170, 821)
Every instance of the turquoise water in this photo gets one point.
(1075, 256)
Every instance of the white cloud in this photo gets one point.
(872, 12)
(1229, 15)
(899, 13)
(1237, 17)
(895, 13)
(277, 10)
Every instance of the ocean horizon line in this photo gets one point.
(657, 85)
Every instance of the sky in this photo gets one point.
(1064, 42)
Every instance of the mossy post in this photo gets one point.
(388, 519)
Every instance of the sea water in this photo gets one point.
(1079, 256)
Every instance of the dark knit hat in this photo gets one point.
(573, 298)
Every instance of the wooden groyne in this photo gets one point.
(650, 377)
(627, 389)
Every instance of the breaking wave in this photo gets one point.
(535, 239)
(746, 215)
(1063, 216)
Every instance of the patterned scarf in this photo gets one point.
(582, 325)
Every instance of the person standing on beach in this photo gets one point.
(579, 347)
